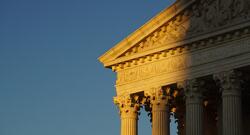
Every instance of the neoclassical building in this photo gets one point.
(191, 61)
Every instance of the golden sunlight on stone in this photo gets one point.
(190, 62)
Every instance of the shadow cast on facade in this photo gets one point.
(191, 61)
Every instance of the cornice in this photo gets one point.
(178, 32)
(201, 42)
(156, 22)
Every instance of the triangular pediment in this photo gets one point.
(184, 20)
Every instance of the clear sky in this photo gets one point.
(51, 82)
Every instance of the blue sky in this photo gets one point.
(51, 82)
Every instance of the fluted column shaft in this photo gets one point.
(129, 124)
(232, 120)
(194, 107)
(160, 110)
(231, 102)
(194, 117)
(129, 108)
(160, 119)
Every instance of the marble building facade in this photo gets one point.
(191, 61)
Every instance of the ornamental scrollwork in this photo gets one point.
(229, 81)
(128, 106)
(193, 90)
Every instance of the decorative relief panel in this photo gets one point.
(202, 17)
(182, 62)
(149, 70)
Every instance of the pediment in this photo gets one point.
(183, 21)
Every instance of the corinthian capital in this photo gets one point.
(158, 96)
(192, 88)
(128, 106)
(228, 81)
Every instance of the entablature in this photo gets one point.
(183, 23)
(202, 42)
(223, 56)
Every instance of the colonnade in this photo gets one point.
(159, 100)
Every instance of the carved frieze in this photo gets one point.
(152, 69)
(202, 17)
(181, 62)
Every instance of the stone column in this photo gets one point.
(194, 107)
(229, 82)
(129, 109)
(160, 111)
